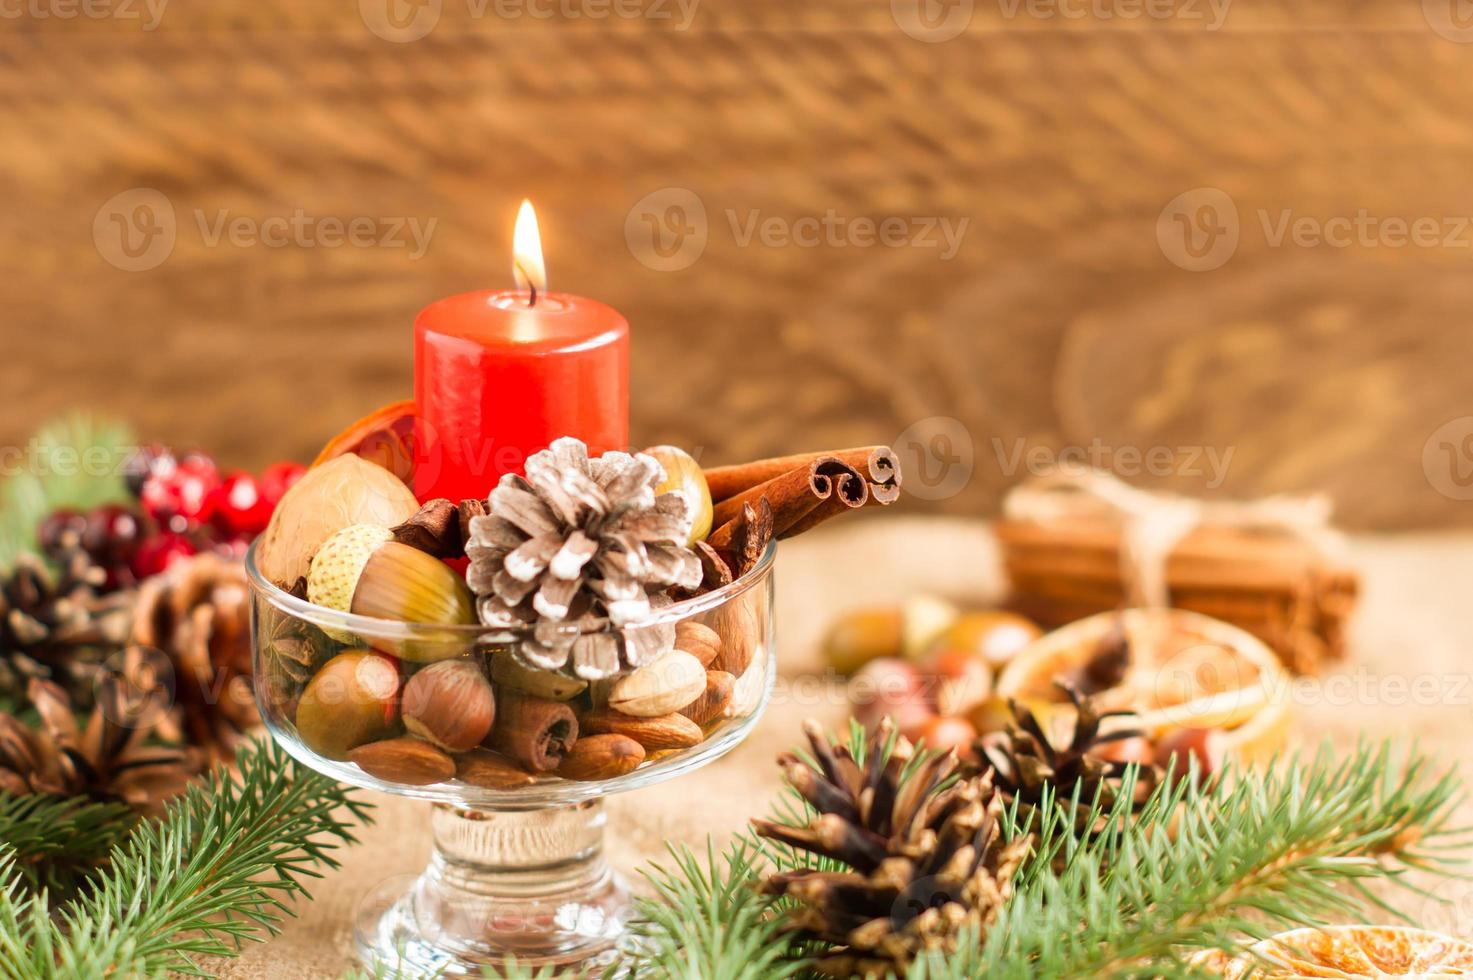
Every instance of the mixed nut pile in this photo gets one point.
(558, 653)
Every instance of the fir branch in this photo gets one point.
(709, 921)
(216, 871)
(57, 841)
(1221, 867)
(74, 462)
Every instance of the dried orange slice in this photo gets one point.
(384, 436)
(1186, 671)
(1348, 952)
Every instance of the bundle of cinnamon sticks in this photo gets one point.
(788, 495)
(1282, 587)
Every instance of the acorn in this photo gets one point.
(685, 476)
(352, 700)
(363, 570)
(449, 704)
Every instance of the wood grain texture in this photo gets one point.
(1059, 320)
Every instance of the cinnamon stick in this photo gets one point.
(797, 492)
(536, 733)
(877, 464)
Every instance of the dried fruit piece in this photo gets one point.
(384, 437)
(673, 731)
(602, 757)
(713, 701)
(407, 760)
(353, 699)
(450, 704)
(1350, 951)
(666, 685)
(491, 771)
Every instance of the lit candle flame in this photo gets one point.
(526, 249)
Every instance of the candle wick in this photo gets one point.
(531, 283)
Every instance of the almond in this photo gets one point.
(709, 706)
(665, 684)
(698, 640)
(601, 757)
(673, 731)
(407, 760)
(491, 771)
(739, 628)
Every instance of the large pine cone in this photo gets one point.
(581, 549)
(926, 862)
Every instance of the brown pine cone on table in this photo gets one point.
(927, 855)
(198, 615)
(111, 758)
(57, 625)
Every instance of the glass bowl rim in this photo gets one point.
(328, 618)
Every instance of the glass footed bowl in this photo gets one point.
(517, 870)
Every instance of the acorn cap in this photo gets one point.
(336, 567)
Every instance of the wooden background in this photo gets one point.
(1061, 319)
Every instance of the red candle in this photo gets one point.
(499, 375)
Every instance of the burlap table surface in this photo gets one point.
(1407, 676)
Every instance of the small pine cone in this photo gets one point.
(581, 551)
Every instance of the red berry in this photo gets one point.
(156, 555)
(238, 507)
(276, 480)
(185, 491)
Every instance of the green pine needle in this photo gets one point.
(1215, 868)
(74, 462)
(218, 870)
(55, 842)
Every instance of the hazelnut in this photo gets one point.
(683, 475)
(449, 704)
